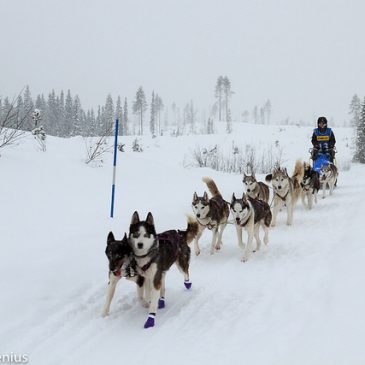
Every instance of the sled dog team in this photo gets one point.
(145, 256)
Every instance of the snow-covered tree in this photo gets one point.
(219, 95)
(108, 114)
(77, 117)
(28, 107)
(360, 136)
(125, 116)
(267, 111)
(153, 114)
(159, 107)
(140, 106)
(119, 115)
(68, 114)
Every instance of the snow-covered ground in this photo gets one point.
(298, 301)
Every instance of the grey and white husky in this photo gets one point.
(328, 177)
(210, 213)
(155, 254)
(255, 189)
(250, 214)
(286, 190)
(310, 186)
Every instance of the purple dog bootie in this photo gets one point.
(150, 320)
(187, 284)
(161, 303)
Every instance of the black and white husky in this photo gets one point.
(210, 213)
(256, 189)
(121, 264)
(250, 214)
(328, 177)
(155, 254)
(286, 190)
(310, 186)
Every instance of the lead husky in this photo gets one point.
(310, 186)
(328, 176)
(121, 264)
(210, 213)
(155, 254)
(256, 189)
(286, 190)
(250, 214)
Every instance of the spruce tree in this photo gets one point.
(140, 106)
(29, 108)
(219, 95)
(153, 114)
(108, 115)
(360, 153)
(119, 115)
(227, 91)
(68, 115)
(125, 116)
(158, 107)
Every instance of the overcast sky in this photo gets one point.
(307, 57)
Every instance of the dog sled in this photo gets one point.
(323, 159)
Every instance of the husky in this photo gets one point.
(286, 190)
(328, 176)
(310, 186)
(256, 189)
(250, 214)
(155, 254)
(210, 213)
(121, 264)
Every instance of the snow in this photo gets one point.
(297, 301)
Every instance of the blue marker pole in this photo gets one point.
(114, 166)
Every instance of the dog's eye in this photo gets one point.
(135, 235)
(146, 235)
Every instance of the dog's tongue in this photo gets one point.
(117, 273)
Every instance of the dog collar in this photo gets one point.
(153, 247)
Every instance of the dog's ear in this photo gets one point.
(110, 238)
(233, 199)
(253, 175)
(244, 197)
(285, 171)
(195, 197)
(244, 175)
(135, 218)
(125, 239)
(268, 177)
(205, 196)
(149, 219)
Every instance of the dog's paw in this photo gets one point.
(197, 252)
(161, 303)
(144, 303)
(105, 313)
(150, 321)
(187, 284)
(289, 223)
(217, 247)
(273, 225)
(245, 257)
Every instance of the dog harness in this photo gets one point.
(219, 205)
(172, 238)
